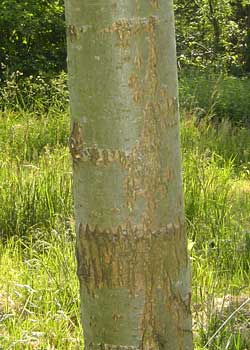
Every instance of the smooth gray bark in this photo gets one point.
(131, 243)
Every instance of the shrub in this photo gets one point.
(216, 97)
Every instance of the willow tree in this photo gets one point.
(131, 244)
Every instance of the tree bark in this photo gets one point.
(131, 245)
(247, 49)
(216, 26)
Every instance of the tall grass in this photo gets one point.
(35, 196)
(38, 285)
(217, 97)
(39, 304)
(217, 200)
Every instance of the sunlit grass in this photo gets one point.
(39, 295)
(39, 302)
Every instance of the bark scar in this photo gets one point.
(76, 142)
(72, 32)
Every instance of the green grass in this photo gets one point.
(39, 294)
(39, 303)
(217, 199)
(216, 97)
(35, 196)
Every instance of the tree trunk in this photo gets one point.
(131, 244)
(216, 26)
(247, 48)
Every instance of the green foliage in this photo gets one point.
(216, 97)
(38, 94)
(210, 96)
(214, 34)
(32, 37)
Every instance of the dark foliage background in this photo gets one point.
(32, 37)
(209, 33)
(213, 47)
(215, 34)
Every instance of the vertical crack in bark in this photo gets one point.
(145, 169)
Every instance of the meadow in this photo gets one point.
(39, 302)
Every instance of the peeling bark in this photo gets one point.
(131, 246)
